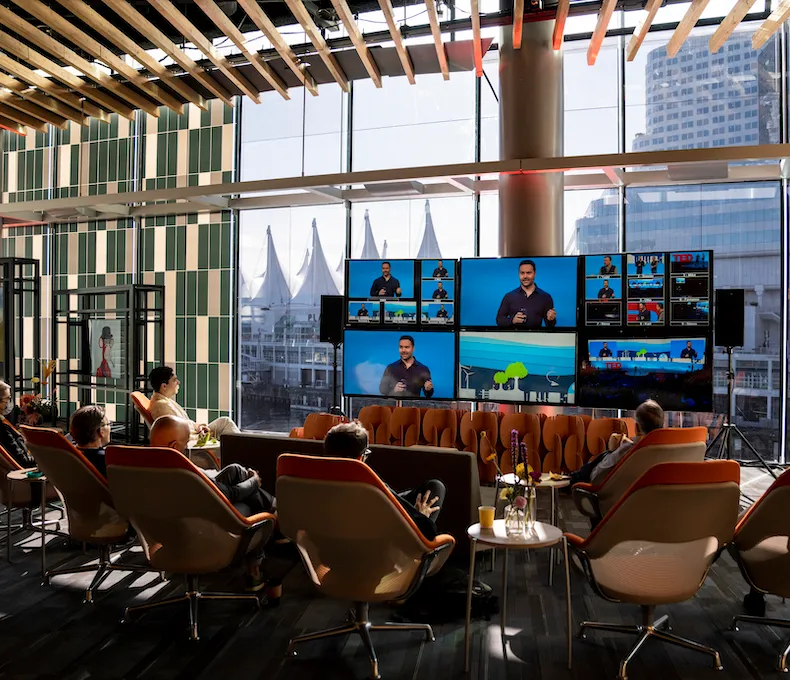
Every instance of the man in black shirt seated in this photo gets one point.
(10, 438)
(605, 293)
(440, 293)
(386, 285)
(604, 352)
(442, 313)
(423, 504)
(608, 268)
(90, 430)
(362, 311)
(406, 377)
(527, 306)
(688, 352)
(440, 272)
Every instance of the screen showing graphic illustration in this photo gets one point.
(400, 312)
(519, 293)
(536, 368)
(618, 373)
(399, 364)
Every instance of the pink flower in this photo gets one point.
(520, 502)
(535, 476)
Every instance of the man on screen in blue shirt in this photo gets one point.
(385, 285)
(528, 306)
(406, 377)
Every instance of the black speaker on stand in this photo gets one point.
(728, 328)
(331, 331)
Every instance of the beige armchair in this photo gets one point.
(656, 545)
(361, 547)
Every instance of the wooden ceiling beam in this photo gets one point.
(563, 6)
(22, 118)
(771, 25)
(12, 126)
(347, 17)
(687, 23)
(433, 19)
(477, 44)
(306, 22)
(729, 24)
(518, 23)
(78, 37)
(68, 56)
(604, 17)
(16, 102)
(397, 38)
(224, 24)
(56, 106)
(265, 25)
(186, 28)
(139, 23)
(39, 61)
(642, 28)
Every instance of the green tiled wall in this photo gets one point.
(191, 255)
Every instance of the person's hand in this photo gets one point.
(551, 315)
(254, 473)
(425, 506)
(428, 385)
(519, 317)
(202, 429)
(397, 291)
(383, 291)
(400, 387)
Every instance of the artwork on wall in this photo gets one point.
(107, 341)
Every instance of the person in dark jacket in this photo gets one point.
(90, 430)
(10, 438)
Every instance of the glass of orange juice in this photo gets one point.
(486, 513)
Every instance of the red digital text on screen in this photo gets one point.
(683, 257)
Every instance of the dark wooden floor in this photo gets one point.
(45, 632)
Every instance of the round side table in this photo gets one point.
(541, 535)
(211, 452)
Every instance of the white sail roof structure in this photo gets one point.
(339, 269)
(429, 248)
(384, 250)
(318, 279)
(370, 250)
(303, 268)
(274, 288)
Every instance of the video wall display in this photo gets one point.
(537, 368)
(399, 364)
(622, 373)
(401, 292)
(518, 294)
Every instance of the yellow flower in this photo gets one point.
(35, 381)
(504, 494)
(529, 470)
(520, 471)
(491, 458)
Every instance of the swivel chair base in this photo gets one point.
(766, 621)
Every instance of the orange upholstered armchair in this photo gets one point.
(405, 426)
(184, 523)
(479, 434)
(90, 509)
(440, 427)
(656, 545)
(760, 549)
(142, 405)
(528, 427)
(376, 420)
(659, 446)
(599, 431)
(373, 553)
(564, 439)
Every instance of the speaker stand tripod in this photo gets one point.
(721, 446)
(336, 408)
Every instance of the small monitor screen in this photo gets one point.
(438, 313)
(364, 312)
(603, 290)
(381, 279)
(621, 373)
(645, 289)
(399, 364)
(690, 288)
(536, 368)
(519, 293)
(400, 312)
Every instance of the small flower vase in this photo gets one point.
(514, 521)
(531, 509)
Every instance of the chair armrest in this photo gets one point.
(574, 541)
(263, 522)
(585, 497)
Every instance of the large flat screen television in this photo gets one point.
(400, 364)
(622, 373)
(519, 293)
(536, 368)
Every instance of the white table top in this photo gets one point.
(208, 447)
(545, 481)
(541, 535)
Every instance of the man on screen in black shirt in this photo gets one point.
(660, 306)
(688, 352)
(385, 285)
(605, 293)
(440, 272)
(440, 293)
(604, 352)
(639, 264)
(608, 268)
(406, 377)
(362, 311)
(644, 312)
(654, 265)
(442, 313)
(527, 306)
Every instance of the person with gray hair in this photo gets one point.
(10, 438)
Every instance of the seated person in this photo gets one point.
(90, 430)
(242, 487)
(10, 438)
(165, 384)
(423, 504)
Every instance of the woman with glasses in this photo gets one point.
(10, 438)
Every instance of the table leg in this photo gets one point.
(553, 521)
(43, 530)
(569, 622)
(503, 610)
(9, 486)
(469, 603)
